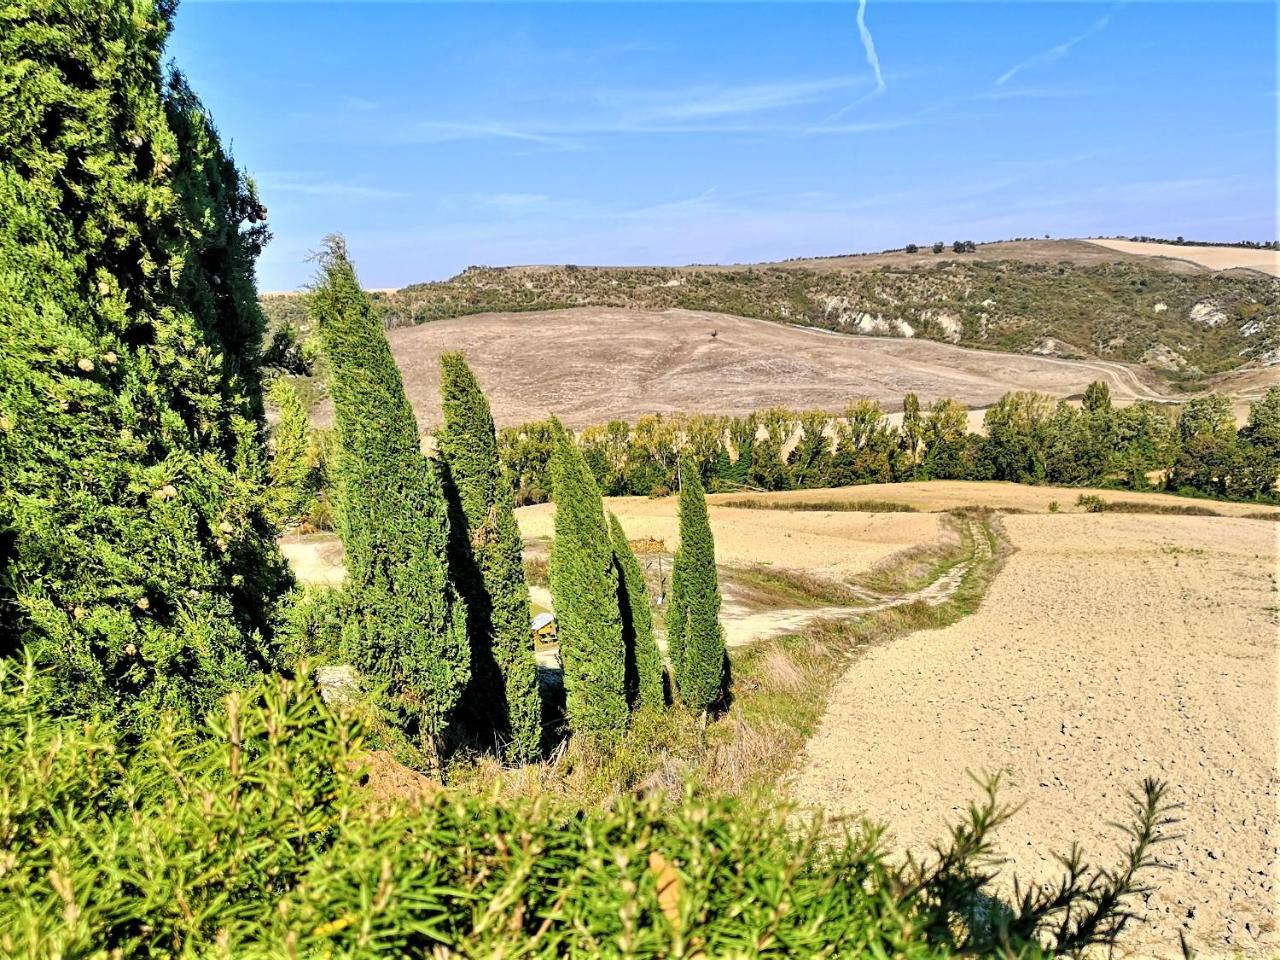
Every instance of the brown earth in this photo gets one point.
(588, 365)
(942, 495)
(830, 544)
(1110, 648)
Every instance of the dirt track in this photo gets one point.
(1108, 649)
(590, 364)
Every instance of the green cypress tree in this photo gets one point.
(584, 593)
(695, 602)
(408, 626)
(644, 661)
(291, 473)
(488, 565)
(142, 560)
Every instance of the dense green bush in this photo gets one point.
(488, 567)
(695, 638)
(251, 837)
(132, 462)
(406, 629)
(584, 593)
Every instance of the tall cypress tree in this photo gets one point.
(695, 601)
(584, 593)
(644, 661)
(408, 628)
(488, 565)
(141, 559)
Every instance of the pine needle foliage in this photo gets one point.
(250, 836)
(142, 560)
(584, 594)
(292, 474)
(644, 661)
(407, 629)
(695, 602)
(488, 566)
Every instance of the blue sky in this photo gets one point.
(438, 135)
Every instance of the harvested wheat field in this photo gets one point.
(588, 365)
(834, 545)
(1108, 649)
(941, 495)
(1214, 258)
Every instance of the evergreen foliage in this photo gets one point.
(644, 660)
(488, 565)
(1030, 439)
(695, 603)
(250, 837)
(132, 462)
(293, 472)
(407, 626)
(584, 594)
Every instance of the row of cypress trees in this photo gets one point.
(612, 664)
(138, 505)
(436, 605)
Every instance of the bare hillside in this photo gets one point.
(588, 365)
(1066, 299)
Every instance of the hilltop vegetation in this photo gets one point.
(1185, 323)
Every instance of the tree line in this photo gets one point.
(1026, 438)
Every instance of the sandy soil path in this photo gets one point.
(742, 627)
(1108, 649)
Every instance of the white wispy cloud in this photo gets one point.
(1056, 52)
(329, 188)
(745, 99)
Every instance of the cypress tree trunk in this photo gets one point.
(408, 629)
(695, 605)
(584, 593)
(486, 554)
(644, 680)
(141, 559)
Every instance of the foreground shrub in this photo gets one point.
(252, 837)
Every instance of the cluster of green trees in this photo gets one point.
(612, 665)
(1027, 438)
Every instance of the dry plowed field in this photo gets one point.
(591, 364)
(1109, 648)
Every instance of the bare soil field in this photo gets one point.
(834, 545)
(1214, 258)
(1109, 648)
(942, 495)
(588, 365)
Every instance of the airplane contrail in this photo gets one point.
(869, 45)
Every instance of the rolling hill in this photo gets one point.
(1060, 299)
